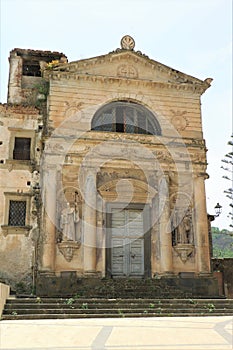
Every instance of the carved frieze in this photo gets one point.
(55, 147)
(119, 81)
(112, 174)
(80, 148)
(127, 190)
(199, 158)
(196, 142)
(163, 156)
(126, 153)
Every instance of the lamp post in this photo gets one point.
(218, 210)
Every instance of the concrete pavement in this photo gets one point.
(160, 333)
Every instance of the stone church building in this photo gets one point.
(103, 168)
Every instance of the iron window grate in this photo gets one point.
(17, 213)
(22, 148)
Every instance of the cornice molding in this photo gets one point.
(175, 142)
(196, 88)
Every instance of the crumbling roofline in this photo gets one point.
(38, 53)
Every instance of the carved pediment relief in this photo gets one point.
(127, 190)
(125, 64)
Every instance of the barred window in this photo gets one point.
(126, 117)
(22, 148)
(17, 213)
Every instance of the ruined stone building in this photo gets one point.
(103, 165)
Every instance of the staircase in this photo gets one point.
(124, 288)
(60, 308)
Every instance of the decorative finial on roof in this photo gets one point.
(127, 43)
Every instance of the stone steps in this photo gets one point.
(100, 315)
(170, 287)
(60, 308)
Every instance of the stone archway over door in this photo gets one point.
(128, 243)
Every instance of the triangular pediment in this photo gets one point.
(128, 64)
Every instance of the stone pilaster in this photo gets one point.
(201, 227)
(155, 239)
(89, 225)
(164, 227)
(49, 231)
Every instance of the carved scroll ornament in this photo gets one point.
(184, 251)
(67, 248)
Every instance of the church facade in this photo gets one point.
(103, 165)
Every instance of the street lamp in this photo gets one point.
(218, 209)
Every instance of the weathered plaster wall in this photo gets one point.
(225, 265)
(16, 244)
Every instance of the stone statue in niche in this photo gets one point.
(69, 223)
(186, 229)
(182, 229)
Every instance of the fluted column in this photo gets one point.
(89, 224)
(201, 226)
(164, 227)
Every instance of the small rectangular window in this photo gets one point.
(22, 148)
(17, 213)
(31, 68)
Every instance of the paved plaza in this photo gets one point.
(160, 333)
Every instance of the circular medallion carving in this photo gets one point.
(71, 111)
(179, 122)
(127, 71)
(127, 42)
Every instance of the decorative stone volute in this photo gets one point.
(67, 248)
(184, 251)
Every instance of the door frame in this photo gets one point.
(147, 236)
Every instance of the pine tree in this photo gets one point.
(228, 167)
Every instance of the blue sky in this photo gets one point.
(193, 36)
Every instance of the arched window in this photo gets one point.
(127, 117)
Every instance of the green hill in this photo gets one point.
(222, 243)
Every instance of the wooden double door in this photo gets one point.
(129, 243)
